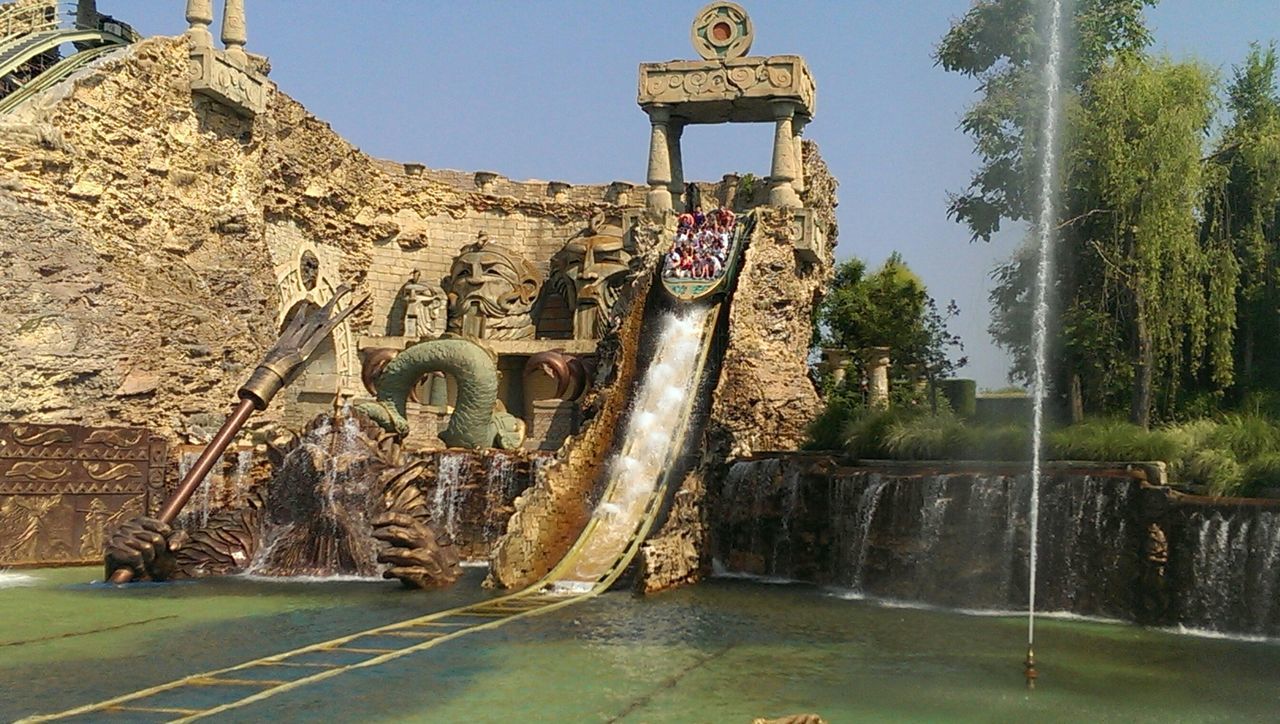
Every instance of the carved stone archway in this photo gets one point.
(308, 272)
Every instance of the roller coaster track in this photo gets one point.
(54, 75)
(593, 564)
(28, 33)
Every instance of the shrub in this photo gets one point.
(926, 437)
(865, 432)
(1000, 442)
(1217, 469)
(1246, 436)
(1260, 472)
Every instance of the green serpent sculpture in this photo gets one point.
(478, 421)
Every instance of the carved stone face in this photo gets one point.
(491, 293)
(590, 271)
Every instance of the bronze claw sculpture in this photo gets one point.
(279, 367)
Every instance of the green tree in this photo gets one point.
(998, 43)
(890, 308)
(1240, 221)
(1135, 285)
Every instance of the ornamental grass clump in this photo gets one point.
(1111, 440)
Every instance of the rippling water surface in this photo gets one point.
(725, 651)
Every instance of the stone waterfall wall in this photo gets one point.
(1112, 543)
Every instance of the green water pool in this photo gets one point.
(724, 651)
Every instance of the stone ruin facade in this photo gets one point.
(165, 224)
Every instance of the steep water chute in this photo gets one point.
(653, 438)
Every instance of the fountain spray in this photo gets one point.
(278, 368)
(1040, 332)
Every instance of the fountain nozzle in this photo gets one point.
(1029, 668)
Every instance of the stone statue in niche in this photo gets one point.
(589, 273)
(491, 292)
(423, 308)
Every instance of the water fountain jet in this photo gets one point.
(1040, 332)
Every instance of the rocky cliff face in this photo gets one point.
(153, 241)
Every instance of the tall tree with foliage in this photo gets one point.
(890, 308)
(1134, 170)
(1135, 286)
(999, 43)
(1242, 211)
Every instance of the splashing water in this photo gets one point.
(9, 579)
(1041, 329)
(653, 438)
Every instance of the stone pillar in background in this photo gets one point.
(199, 18)
(836, 362)
(783, 172)
(659, 196)
(798, 125)
(729, 189)
(675, 130)
(877, 365)
(233, 31)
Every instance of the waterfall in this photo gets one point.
(1230, 576)
(864, 516)
(945, 539)
(319, 506)
(651, 442)
(499, 483)
(447, 501)
(194, 514)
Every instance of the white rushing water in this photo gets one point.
(1044, 224)
(653, 436)
(447, 501)
(9, 579)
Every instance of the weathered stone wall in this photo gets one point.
(155, 241)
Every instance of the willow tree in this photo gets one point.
(1000, 44)
(1135, 176)
(1242, 215)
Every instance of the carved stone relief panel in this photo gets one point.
(589, 273)
(64, 487)
(308, 272)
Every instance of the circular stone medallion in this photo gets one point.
(722, 30)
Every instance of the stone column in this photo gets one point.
(87, 14)
(199, 18)
(798, 125)
(729, 189)
(233, 31)
(836, 361)
(659, 196)
(877, 365)
(783, 173)
(675, 129)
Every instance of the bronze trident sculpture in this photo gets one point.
(279, 367)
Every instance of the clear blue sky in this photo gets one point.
(547, 90)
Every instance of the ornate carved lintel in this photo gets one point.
(735, 89)
(216, 76)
